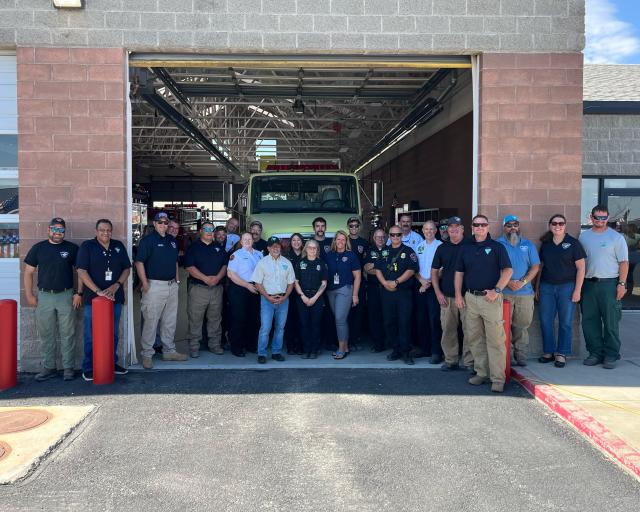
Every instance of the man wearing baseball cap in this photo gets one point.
(519, 291)
(54, 259)
(274, 279)
(360, 247)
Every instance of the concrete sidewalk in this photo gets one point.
(604, 405)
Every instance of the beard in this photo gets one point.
(514, 238)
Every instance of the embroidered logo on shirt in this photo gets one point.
(173, 244)
(345, 259)
(318, 268)
(385, 253)
(64, 254)
(217, 249)
(523, 247)
(566, 245)
(413, 257)
(303, 265)
(284, 267)
(403, 255)
(420, 249)
(117, 249)
(487, 250)
(360, 249)
(232, 257)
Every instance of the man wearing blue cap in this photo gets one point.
(519, 291)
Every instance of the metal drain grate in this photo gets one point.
(22, 419)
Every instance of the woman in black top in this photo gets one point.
(563, 267)
(311, 281)
(292, 336)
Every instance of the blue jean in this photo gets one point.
(555, 299)
(268, 312)
(87, 362)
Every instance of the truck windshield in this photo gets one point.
(291, 194)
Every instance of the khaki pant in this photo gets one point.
(450, 318)
(204, 300)
(484, 328)
(521, 318)
(56, 310)
(159, 304)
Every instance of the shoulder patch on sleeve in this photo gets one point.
(231, 257)
(413, 257)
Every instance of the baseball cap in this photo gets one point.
(454, 220)
(510, 218)
(160, 215)
(220, 228)
(255, 223)
(273, 240)
(353, 219)
(57, 220)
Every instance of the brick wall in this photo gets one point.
(530, 159)
(612, 145)
(71, 148)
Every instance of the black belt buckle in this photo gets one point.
(55, 292)
(478, 293)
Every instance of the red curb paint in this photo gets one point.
(586, 424)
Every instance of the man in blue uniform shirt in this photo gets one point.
(484, 269)
(409, 237)
(519, 292)
(157, 268)
(103, 266)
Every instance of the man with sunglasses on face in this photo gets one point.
(157, 268)
(360, 247)
(604, 287)
(484, 269)
(519, 292)
(54, 259)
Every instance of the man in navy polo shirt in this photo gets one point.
(104, 267)
(206, 262)
(157, 268)
(484, 268)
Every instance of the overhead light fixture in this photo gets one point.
(298, 106)
(68, 4)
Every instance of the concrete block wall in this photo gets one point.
(611, 145)
(451, 26)
(71, 150)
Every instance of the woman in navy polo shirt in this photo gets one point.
(559, 288)
(343, 271)
(292, 335)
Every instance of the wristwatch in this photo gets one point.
(497, 289)
(397, 282)
(622, 283)
(524, 280)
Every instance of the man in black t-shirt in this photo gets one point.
(484, 269)
(54, 259)
(359, 246)
(443, 269)
(259, 243)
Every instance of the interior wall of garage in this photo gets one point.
(436, 172)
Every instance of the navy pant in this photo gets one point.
(428, 322)
(245, 317)
(292, 330)
(87, 362)
(310, 319)
(374, 310)
(396, 307)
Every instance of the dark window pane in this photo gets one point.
(9, 151)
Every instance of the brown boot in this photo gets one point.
(174, 356)
(497, 387)
(147, 363)
(476, 380)
(217, 351)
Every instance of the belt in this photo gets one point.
(479, 293)
(204, 285)
(169, 282)
(53, 291)
(599, 279)
(276, 295)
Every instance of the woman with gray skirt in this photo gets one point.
(343, 284)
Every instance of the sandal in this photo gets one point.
(558, 363)
(340, 355)
(543, 359)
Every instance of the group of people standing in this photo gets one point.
(425, 297)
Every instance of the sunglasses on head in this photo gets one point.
(479, 224)
(56, 230)
(600, 217)
(558, 223)
(395, 234)
(512, 225)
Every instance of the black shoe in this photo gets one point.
(158, 350)
(394, 356)
(543, 359)
(277, 357)
(417, 354)
(449, 367)
(262, 359)
(592, 360)
(239, 354)
(435, 359)
(377, 350)
(299, 352)
(306, 356)
(313, 355)
(409, 360)
(119, 370)
(609, 363)
(290, 351)
(88, 375)
(559, 363)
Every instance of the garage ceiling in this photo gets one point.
(213, 120)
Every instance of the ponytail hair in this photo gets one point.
(548, 236)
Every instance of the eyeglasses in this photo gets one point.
(354, 225)
(162, 222)
(207, 229)
(512, 225)
(559, 223)
(479, 224)
(104, 230)
(56, 230)
(395, 234)
(600, 217)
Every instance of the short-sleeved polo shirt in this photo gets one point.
(55, 264)
(274, 274)
(445, 258)
(396, 262)
(373, 255)
(482, 263)
(232, 239)
(359, 246)
(325, 247)
(159, 254)
(559, 261)
(97, 261)
(207, 258)
(340, 267)
(522, 256)
(243, 262)
(425, 252)
(310, 274)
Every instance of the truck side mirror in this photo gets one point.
(378, 192)
(227, 194)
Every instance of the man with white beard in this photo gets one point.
(519, 292)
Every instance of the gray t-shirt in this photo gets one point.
(604, 251)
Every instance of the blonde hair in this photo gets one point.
(313, 243)
(333, 242)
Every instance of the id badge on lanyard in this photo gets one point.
(108, 275)
(336, 279)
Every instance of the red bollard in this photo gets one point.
(8, 343)
(102, 331)
(506, 315)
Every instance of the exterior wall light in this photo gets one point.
(68, 4)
